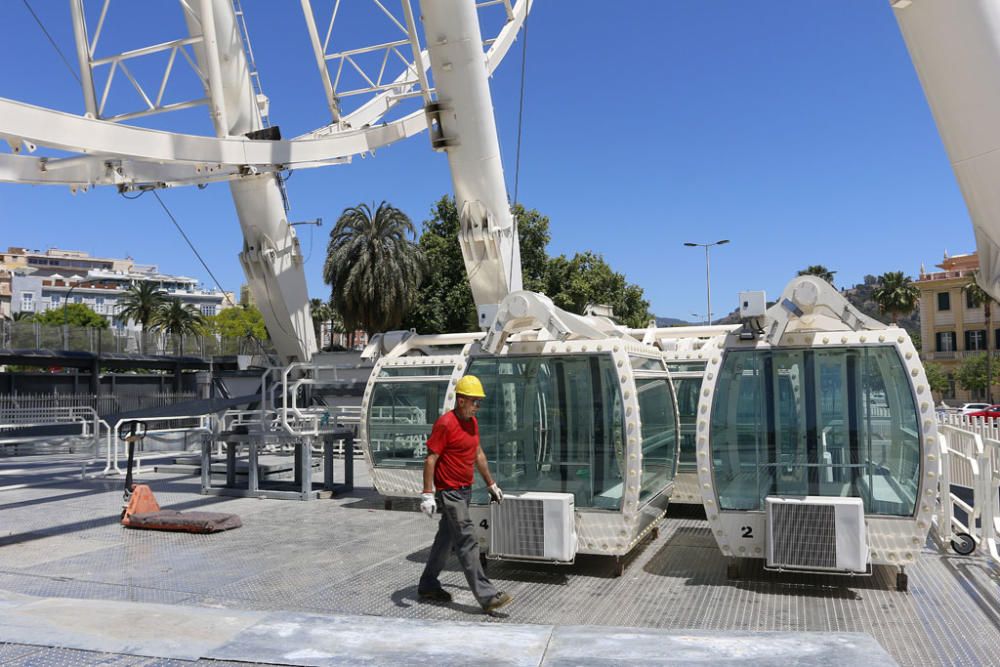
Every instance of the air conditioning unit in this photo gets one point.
(534, 526)
(817, 534)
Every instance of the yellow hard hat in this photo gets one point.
(470, 385)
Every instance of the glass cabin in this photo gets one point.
(833, 422)
(597, 420)
(835, 416)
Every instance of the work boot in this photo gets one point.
(499, 600)
(435, 595)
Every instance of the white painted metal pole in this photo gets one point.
(215, 84)
(83, 55)
(418, 60)
(320, 55)
(708, 285)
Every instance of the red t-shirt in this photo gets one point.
(455, 441)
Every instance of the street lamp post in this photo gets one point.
(708, 281)
(79, 283)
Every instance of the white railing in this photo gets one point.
(103, 403)
(14, 419)
(970, 459)
(114, 443)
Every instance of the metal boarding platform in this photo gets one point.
(281, 560)
(254, 442)
(349, 556)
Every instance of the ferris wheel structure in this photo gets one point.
(376, 94)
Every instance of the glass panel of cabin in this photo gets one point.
(741, 443)
(816, 422)
(659, 435)
(555, 424)
(892, 430)
(687, 389)
(400, 417)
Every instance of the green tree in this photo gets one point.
(972, 375)
(239, 322)
(572, 284)
(533, 236)
(373, 267)
(937, 378)
(141, 302)
(819, 271)
(444, 301)
(977, 296)
(178, 320)
(23, 316)
(72, 314)
(896, 294)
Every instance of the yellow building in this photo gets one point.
(951, 329)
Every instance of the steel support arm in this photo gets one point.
(811, 304)
(462, 124)
(528, 311)
(271, 256)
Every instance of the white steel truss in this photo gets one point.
(385, 58)
(133, 158)
(152, 102)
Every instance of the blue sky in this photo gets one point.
(797, 129)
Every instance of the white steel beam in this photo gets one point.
(955, 48)
(129, 175)
(271, 256)
(57, 129)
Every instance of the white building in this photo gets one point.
(44, 281)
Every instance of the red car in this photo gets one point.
(992, 412)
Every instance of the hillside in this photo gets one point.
(670, 322)
(861, 297)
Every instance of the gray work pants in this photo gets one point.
(456, 532)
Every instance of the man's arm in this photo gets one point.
(429, 464)
(483, 466)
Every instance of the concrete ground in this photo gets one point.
(334, 582)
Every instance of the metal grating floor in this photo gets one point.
(349, 555)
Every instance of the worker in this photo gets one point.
(452, 452)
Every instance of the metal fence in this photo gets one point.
(969, 494)
(103, 404)
(34, 336)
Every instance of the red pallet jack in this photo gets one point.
(140, 509)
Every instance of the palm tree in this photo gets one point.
(977, 296)
(178, 319)
(819, 271)
(896, 294)
(141, 303)
(321, 312)
(373, 267)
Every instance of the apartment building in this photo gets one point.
(951, 328)
(39, 281)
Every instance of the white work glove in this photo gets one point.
(427, 504)
(496, 495)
